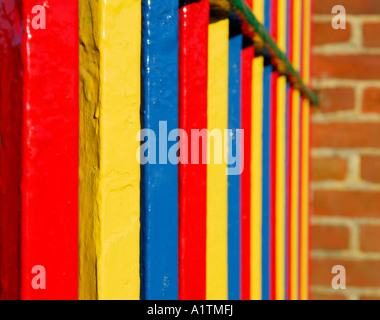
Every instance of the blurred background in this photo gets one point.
(346, 150)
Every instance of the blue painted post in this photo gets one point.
(159, 182)
(267, 83)
(234, 192)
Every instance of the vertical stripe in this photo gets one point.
(257, 152)
(305, 158)
(246, 93)
(289, 154)
(193, 37)
(11, 117)
(256, 167)
(159, 187)
(309, 75)
(247, 55)
(234, 123)
(217, 119)
(267, 112)
(295, 157)
(273, 158)
(301, 139)
(109, 171)
(39, 145)
(305, 202)
(281, 162)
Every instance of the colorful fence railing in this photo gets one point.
(228, 218)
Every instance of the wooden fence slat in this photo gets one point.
(281, 160)
(289, 154)
(273, 156)
(109, 185)
(217, 119)
(159, 188)
(294, 246)
(257, 167)
(267, 117)
(305, 214)
(234, 181)
(247, 56)
(11, 107)
(193, 38)
(39, 149)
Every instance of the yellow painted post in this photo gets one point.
(295, 165)
(280, 165)
(217, 118)
(109, 171)
(305, 157)
(256, 166)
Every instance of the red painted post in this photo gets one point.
(39, 150)
(10, 152)
(193, 54)
(247, 56)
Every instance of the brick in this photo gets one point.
(359, 273)
(369, 238)
(370, 168)
(330, 237)
(336, 99)
(357, 67)
(323, 33)
(371, 100)
(353, 204)
(346, 135)
(329, 169)
(352, 6)
(371, 31)
(327, 296)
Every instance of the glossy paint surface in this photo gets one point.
(109, 189)
(247, 55)
(42, 151)
(294, 234)
(11, 115)
(234, 183)
(273, 157)
(305, 164)
(289, 155)
(281, 161)
(159, 186)
(257, 167)
(193, 58)
(246, 93)
(267, 122)
(217, 119)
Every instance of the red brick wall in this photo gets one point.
(346, 150)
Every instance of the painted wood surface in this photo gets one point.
(193, 58)
(217, 123)
(109, 173)
(281, 143)
(234, 145)
(266, 181)
(160, 66)
(257, 167)
(295, 162)
(159, 180)
(39, 150)
(305, 164)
